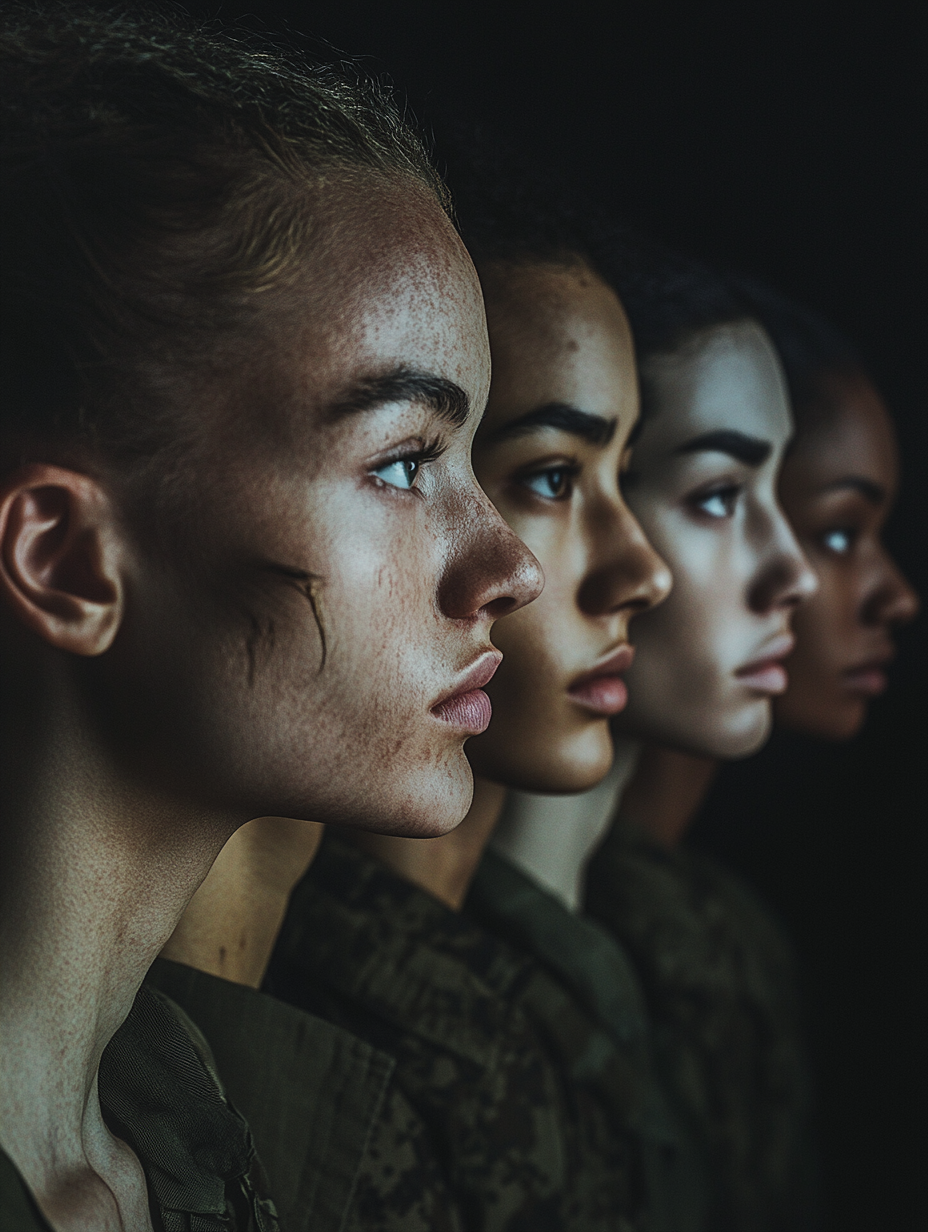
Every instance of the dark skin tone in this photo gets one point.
(837, 487)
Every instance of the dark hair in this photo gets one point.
(512, 212)
(669, 297)
(157, 178)
(810, 349)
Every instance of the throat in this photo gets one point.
(551, 838)
(443, 866)
(231, 923)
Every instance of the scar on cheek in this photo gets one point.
(262, 631)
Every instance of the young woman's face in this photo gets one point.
(702, 484)
(325, 662)
(837, 486)
(562, 403)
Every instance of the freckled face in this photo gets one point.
(702, 484)
(325, 663)
(563, 400)
(837, 486)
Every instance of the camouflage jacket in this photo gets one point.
(160, 1092)
(524, 1140)
(605, 1049)
(721, 992)
(321, 1105)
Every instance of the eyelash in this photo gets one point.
(568, 470)
(728, 494)
(431, 451)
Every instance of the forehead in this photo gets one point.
(727, 378)
(387, 284)
(852, 435)
(557, 334)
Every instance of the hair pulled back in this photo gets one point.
(157, 181)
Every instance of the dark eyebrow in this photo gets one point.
(595, 429)
(868, 488)
(750, 450)
(447, 400)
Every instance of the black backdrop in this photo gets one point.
(788, 140)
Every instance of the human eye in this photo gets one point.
(402, 472)
(839, 540)
(552, 483)
(718, 502)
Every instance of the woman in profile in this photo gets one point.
(729, 1012)
(243, 355)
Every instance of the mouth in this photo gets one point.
(869, 678)
(602, 690)
(466, 706)
(767, 674)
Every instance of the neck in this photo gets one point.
(551, 838)
(443, 866)
(665, 794)
(232, 922)
(96, 871)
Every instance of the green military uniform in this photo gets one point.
(610, 1056)
(720, 986)
(530, 1105)
(159, 1092)
(335, 1134)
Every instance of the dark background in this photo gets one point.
(788, 140)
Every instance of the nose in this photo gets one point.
(626, 573)
(784, 578)
(891, 600)
(490, 572)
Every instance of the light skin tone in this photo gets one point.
(549, 453)
(702, 483)
(837, 487)
(153, 708)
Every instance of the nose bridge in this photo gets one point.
(625, 571)
(489, 568)
(784, 577)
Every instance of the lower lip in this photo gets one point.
(770, 678)
(870, 681)
(469, 711)
(603, 695)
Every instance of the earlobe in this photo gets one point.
(60, 558)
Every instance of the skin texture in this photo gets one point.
(558, 336)
(838, 486)
(738, 571)
(154, 703)
(309, 503)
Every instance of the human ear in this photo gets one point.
(60, 558)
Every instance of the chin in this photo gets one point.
(426, 803)
(837, 722)
(561, 764)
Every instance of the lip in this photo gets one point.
(868, 678)
(466, 706)
(602, 690)
(766, 673)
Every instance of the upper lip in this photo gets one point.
(877, 660)
(777, 648)
(475, 677)
(616, 661)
